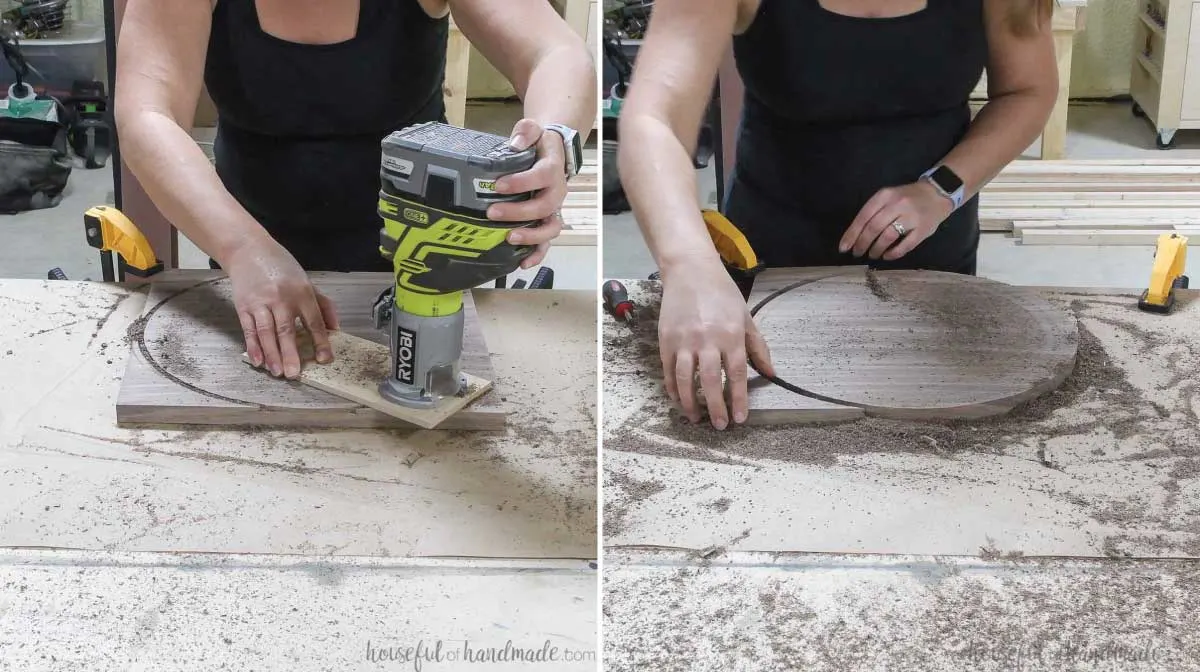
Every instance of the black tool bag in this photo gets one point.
(34, 163)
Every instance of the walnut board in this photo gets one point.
(186, 367)
(915, 345)
(356, 373)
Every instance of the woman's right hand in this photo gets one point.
(271, 290)
(705, 326)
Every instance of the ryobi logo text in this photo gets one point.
(406, 349)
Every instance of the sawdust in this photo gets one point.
(633, 490)
(1027, 615)
(720, 505)
(876, 286)
(1095, 377)
(1097, 411)
(990, 552)
(174, 357)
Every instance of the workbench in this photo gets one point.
(194, 547)
(878, 544)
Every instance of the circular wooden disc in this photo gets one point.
(210, 358)
(919, 344)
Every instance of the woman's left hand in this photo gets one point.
(917, 209)
(548, 178)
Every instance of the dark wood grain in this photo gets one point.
(195, 375)
(909, 344)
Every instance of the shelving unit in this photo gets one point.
(1069, 18)
(1165, 76)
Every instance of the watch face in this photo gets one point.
(946, 179)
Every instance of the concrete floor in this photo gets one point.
(1097, 131)
(45, 239)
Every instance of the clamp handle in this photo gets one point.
(109, 230)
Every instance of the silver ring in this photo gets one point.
(900, 230)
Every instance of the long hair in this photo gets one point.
(1026, 17)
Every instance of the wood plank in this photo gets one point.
(1104, 184)
(913, 345)
(1103, 224)
(1148, 237)
(1054, 134)
(1033, 214)
(581, 237)
(1034, 164)
(458, 68)
(1090, 199)
(581, 218)
(186, 366)
(1144, 167)
(355, 375)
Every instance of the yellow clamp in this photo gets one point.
(109, 230)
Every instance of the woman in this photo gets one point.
(305, 91)
(856, 146)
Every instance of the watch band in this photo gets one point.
(572, 146)
(955, 196)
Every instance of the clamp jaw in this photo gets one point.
(109, 230)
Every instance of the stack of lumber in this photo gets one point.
(1116, 202)
(580, 209)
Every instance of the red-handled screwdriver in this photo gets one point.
(617, 303)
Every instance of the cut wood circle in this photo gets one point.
(915, 345)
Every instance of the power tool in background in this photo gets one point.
(437, 183)
(91, 128)
(1167, 274)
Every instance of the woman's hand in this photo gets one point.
(918, 208)
(271, 290)
(705, 327)
(547, 177)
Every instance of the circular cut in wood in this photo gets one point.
(919, 345)
(195, 337)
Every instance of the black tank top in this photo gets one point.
(300, 126)
(838, 107)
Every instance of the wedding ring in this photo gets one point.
(900, 230)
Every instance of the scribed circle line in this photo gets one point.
(139, 330)
(781, 382)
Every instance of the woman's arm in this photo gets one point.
(1022, 74)
(704, 324)
(660, 123)
(549, 65)
(160, 69)
(554, 74)
(1022, 87)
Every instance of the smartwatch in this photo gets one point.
(947, 184)
(572, 145)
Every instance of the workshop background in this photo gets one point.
(1109, 52)
(40, 240)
